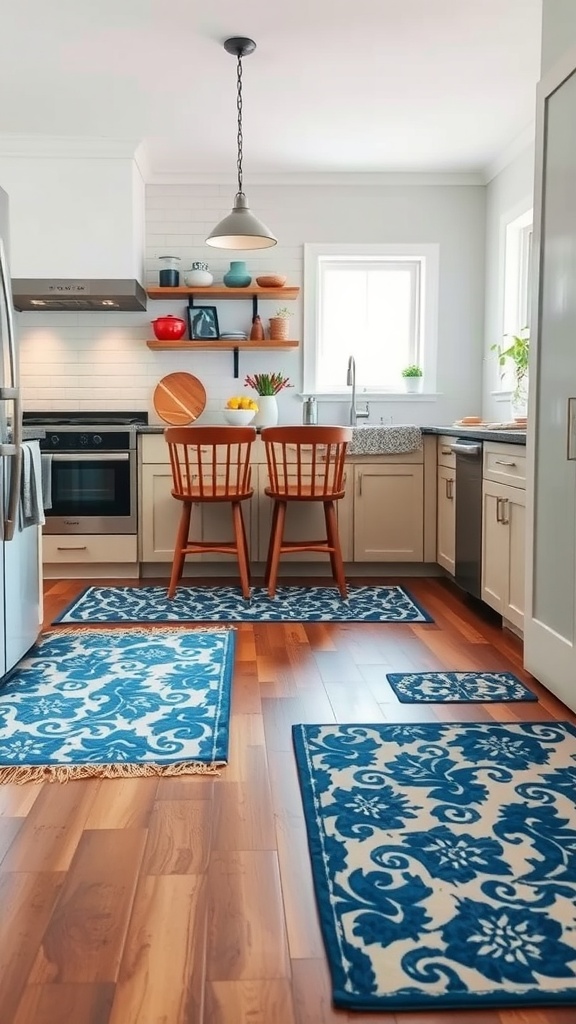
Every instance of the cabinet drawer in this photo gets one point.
(82, 548)
(446, 456)
(505, 463)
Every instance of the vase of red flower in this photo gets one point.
(267, 386)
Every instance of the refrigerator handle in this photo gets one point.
(11, 392)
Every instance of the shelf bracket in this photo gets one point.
(236, 363)
(254, 306)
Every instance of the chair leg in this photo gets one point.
(335, 550)
(275, 547)
(179, 547)
(271, 542)
(241, 549)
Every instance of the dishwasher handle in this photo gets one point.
(472, 450)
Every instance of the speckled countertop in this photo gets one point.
(506, 436)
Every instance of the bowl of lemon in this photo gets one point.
(240, 411)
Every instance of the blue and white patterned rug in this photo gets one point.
(444, 862)
(226, 604)
(458, 687)
(117, 702)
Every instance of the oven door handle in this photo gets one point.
(89, 457)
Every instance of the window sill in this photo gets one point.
(372, 396)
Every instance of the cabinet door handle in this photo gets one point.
(447, 487)
(498, 510)
(451, 488)
(571, 439)
(505, 502)
(71, 547)
(504, 462)
(359, 485)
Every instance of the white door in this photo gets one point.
(549, 632)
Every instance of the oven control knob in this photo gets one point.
(84, 439)
(97, 439)
(54, 439)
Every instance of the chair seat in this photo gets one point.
(303, 492)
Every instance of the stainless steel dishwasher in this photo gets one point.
(468, 572)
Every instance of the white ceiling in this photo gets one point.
(334, 85)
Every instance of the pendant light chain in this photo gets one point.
(240, 138)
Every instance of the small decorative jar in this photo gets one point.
(199, 276)
(169, 276)
(237, 276)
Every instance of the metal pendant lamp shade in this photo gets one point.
(240, 229)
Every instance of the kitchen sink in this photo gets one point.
(369, 439)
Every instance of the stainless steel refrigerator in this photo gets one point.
(19, 561)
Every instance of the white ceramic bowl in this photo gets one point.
(239, 417)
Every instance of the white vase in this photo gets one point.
(413, 385)
(267, 415)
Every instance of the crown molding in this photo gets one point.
(326, 178)
(516, 148)
(67, 147)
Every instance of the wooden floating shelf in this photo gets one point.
(220, 291)
(226, 345)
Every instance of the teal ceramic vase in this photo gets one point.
(237, 276)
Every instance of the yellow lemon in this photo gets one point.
(233, 403)
(245, 402)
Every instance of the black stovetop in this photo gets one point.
(84, 419)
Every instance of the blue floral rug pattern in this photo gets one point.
(117, 702)
(444, 861)
(458, 687)
(226, 604)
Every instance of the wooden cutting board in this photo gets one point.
(179, 398)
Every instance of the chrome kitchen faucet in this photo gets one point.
(355, 414)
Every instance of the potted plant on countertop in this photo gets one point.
(412, 376)
(267, 386)
(518, 351)
(280, 324)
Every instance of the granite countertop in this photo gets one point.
(475, 434)
(505, 436)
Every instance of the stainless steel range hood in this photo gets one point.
(77, 295)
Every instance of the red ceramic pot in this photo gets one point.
(169, 328)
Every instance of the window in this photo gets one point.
(377, 303)
(517, 278)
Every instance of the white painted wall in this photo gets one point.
(558, 30)
(508, 195)
(100, 361)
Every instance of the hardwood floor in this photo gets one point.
(189, 900)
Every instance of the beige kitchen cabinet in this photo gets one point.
(503, 557)
(388, 512)
(304, 520)
(160, 514)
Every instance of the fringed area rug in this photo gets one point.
(444, 862)
(103, 702)
(226, 604)
(458, 687)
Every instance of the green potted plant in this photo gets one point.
(280, 324)
(517, 351)
(412, 376)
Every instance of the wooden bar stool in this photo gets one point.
(211, 464)
(305, 464)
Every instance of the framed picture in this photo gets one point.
(203, 323)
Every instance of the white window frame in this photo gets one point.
(516, 292)
(427, 255)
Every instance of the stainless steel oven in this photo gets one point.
(89, 463)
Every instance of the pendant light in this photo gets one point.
(240, 229)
